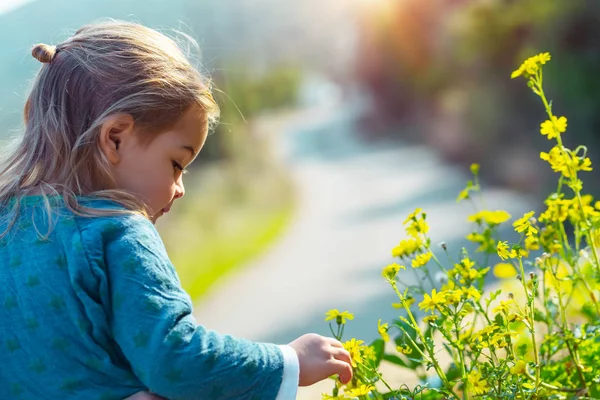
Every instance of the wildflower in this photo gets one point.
(503, 250)
(553, 128)
(430, 318)
(490, 217)
(505, 270)
(558, 209)
(391, 271)
(465, 193)
(503, 307)
(474, 168)
(407, 247)
(417, 227)
(501, 340)
(486, 242)
(353, 346)
(471, 293)
(431, 303)
(362, 390)
(531, 65)
(561, 161)
(532, 243)
(421, 260)
(488, 330)
(369, 353)
(383, 330)
(413, 216)
(480, 385)
(523, 224)
(452, 296)
(404, 349)
(340, 317)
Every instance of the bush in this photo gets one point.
(540, 341)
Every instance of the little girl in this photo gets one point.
(90, 305)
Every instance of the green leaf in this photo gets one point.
(394, 359)
(379, 347)
(453, 372)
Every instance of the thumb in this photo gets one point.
(343, 369)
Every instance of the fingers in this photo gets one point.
(341, 355)
(335, 343)
(342, 369)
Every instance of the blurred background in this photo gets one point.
(340, 117)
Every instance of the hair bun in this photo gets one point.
(44, 53)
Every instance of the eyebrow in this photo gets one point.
(191, 149)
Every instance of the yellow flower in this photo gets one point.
(558, 210)
(532, 243)
(413, 216)
(553, 128)
(431, 303)
(486, 243)
(352, 346)
(480, 385)
(416, 228)
(404, 349)
(505, 270)
(531, 65)
(407, 247)
(430, 318)
(383, 330)
(391, 271)
(585, 164)
(519, 368)
(503, 307)
(523, 224)
(369, 353)
(503, 250)
(490, 217)
(421, 260)
(471, 292)
(362, 390)
(340, 317)
(463, 195)
(564, 163)
(452, 296)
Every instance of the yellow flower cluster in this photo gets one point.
(505, 354)
(532, 65)
(561, 161)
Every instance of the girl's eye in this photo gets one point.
(178, 166)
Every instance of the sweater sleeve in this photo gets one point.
(151, 320)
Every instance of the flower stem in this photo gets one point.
(432, 358)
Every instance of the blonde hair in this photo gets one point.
(103, 69)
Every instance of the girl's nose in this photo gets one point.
(180, 191)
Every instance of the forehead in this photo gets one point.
(190, 130)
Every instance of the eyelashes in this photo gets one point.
(178, 166)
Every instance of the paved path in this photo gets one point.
(352, 198)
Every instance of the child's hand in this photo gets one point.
(320, 357)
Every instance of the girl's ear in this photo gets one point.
(115, 133)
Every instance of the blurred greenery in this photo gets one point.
(442, 67)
